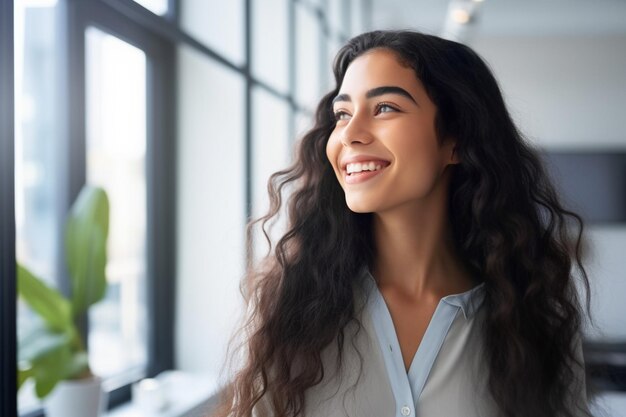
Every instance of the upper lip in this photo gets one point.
(361, 158)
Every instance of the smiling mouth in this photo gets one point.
(357, 167)
(357, 175)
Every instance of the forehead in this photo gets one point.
(376, 68)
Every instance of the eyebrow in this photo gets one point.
(378, 91)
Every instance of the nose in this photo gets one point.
(356, 131)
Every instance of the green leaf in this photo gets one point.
(23, 375)
(37, 340)
(48, 357)
(50, 369)
(79, 365)
(47, 302)
(86, 236)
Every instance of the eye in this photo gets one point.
(340, 115)
(385, 108)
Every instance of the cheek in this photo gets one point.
(418, 156)
(332, 150)
(415, 141)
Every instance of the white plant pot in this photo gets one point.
(77, 398)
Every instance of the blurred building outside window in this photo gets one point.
(36, 136)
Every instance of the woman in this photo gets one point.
(427, 266)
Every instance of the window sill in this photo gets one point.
(188, 395)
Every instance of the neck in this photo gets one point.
(415, 251)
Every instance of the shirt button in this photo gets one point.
(405, 411)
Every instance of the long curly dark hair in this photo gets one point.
(508, 225)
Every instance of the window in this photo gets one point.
(270, 147)
(36, 162)
(116, 161)
(211, 209)
(114, 136)
(35, 137)
(269, 42)
(309, 37)
(217, 24)
(337, 17)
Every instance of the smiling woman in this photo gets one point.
(428, 267)
(385, 120)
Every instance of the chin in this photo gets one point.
(360, 206)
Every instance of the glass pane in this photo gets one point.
(210, 209)
(36, 139)
(270, 152)
(116, 158)
(335, 16)
(155, 6)
(308, 90)
(356, 17)
(216, 23)
(35, 127)
(304, 122)
(333, 47)
(269, 42)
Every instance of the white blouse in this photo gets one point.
(446, 376)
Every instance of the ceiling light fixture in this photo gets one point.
(460, 16)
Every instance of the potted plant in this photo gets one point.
(52, 351)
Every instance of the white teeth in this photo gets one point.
(363, 166)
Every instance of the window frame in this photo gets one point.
(160, 163)
(74, 17)
(8, 313)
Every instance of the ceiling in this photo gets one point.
(509, 17)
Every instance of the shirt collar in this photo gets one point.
(469, 301)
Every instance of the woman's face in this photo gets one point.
(383, 149)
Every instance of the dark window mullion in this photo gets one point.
(160, 180)
(172, 11)
(8, 350)
(71, 152)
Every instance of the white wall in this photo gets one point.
(563, 91)
(607, 270)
